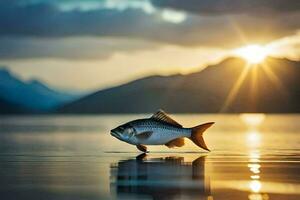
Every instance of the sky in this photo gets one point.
(92, 44)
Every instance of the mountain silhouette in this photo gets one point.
(272, 87)
(10, 108)
(31, 96)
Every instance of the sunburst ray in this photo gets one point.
(233, 92)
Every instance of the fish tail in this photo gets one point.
(197, 134)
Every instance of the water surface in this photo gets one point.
(253, 157)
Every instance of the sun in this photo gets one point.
(253, 54)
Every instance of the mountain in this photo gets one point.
(272, 87)
(9, 108)
(33, 96)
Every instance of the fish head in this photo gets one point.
(123, 132)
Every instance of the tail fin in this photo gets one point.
(197, 133)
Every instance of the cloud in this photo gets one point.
(210, 7)
(288, 47)
(47, 28)
(73, 48)
(119, 68)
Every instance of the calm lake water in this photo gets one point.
(255, 157)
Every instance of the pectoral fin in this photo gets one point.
(144, 135)
(142, 148)
(178, 142)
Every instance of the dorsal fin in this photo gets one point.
(162, 116)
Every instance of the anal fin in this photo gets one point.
(178, 142)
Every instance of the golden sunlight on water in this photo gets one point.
(253, 120)
(255, 184)
(253, 139)
(250, 159)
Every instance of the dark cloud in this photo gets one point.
(231, 6)
(19, 21)
(48, 20)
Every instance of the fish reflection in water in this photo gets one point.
(160, 178)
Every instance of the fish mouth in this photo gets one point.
(115, 134)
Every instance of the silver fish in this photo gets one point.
(159, 129)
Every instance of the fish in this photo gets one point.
(159, 129)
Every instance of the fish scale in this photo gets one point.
(162, 132)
